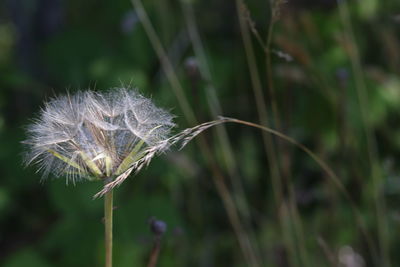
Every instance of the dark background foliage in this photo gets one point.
(332, 84)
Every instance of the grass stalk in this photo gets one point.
(288, 236)
(373, 158)
(165, 62)
(260, 103)
(285, 159)
(268, 65)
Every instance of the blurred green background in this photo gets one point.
(326, 74)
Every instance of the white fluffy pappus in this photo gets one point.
(89, 135)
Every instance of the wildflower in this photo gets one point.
(105, 137)
(94, 136)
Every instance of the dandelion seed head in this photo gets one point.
(91, 134)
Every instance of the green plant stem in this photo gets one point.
(108, 222)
